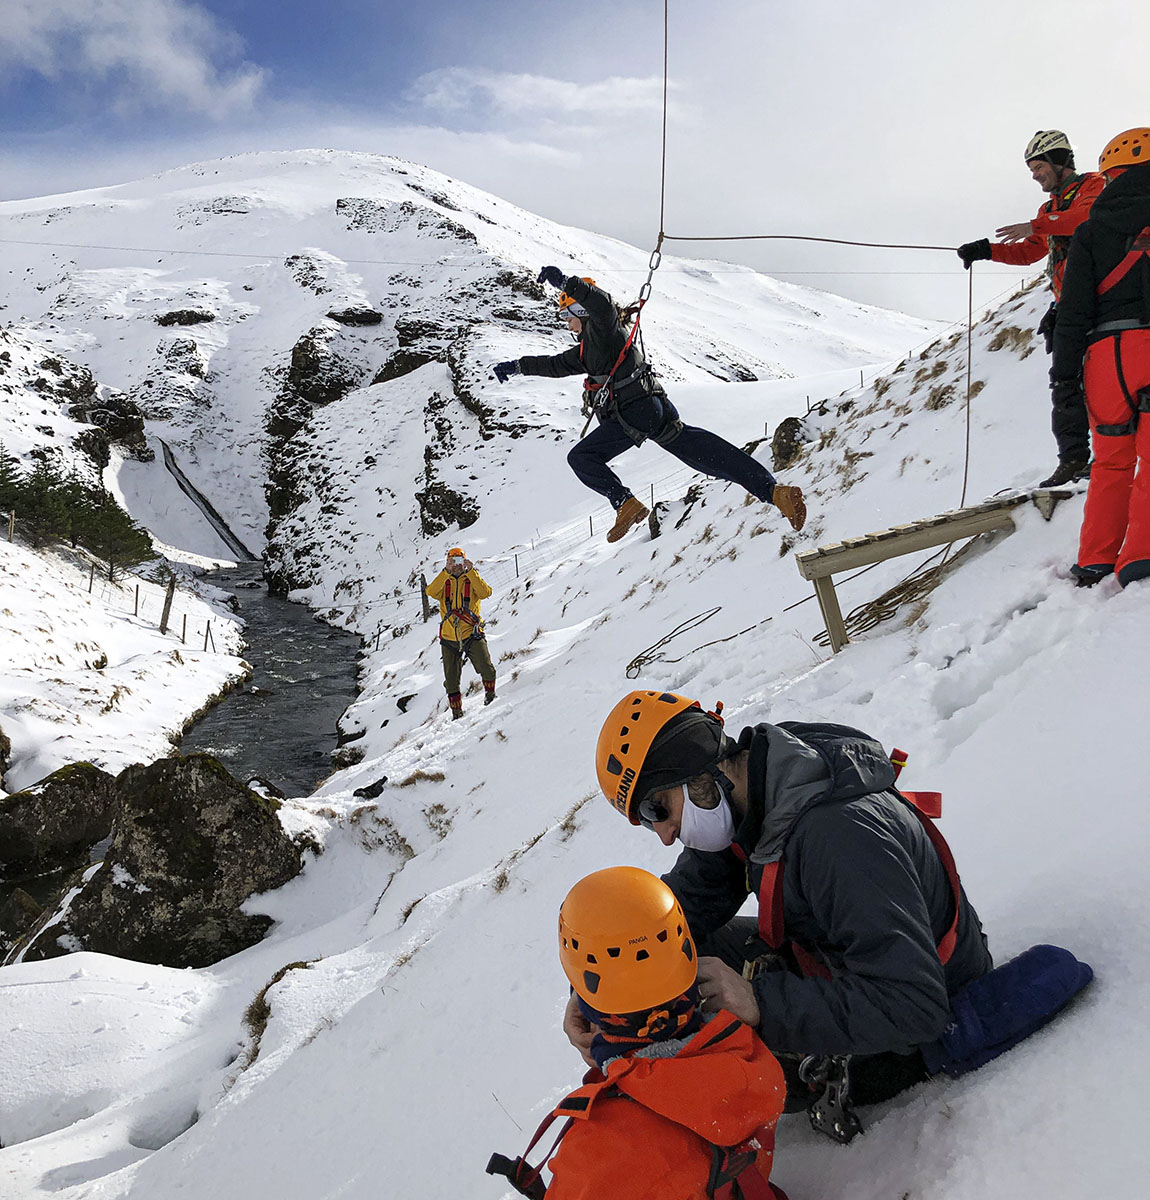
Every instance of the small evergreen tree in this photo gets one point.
(113, 536)
(40, 505)
(11, 479)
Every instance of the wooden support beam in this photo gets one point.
(822, 563)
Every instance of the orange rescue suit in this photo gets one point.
(1053, 227)
(642, 1132)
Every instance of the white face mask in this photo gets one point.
(706, 828)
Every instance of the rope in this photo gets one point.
(804, 237)
(635, 666)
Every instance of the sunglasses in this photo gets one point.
(652, 812)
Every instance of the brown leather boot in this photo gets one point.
(455, 699)
(628, 514)
(789, 501)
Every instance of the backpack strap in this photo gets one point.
(1138, 250)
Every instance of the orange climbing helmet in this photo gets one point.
(654, 740)
(624, 942)
(1126, 150)
(569, 306)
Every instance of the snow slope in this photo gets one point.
(411, 981)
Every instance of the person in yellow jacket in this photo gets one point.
(460, 590)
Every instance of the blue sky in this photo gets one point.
(890, 121)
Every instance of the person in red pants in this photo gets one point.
(1102, 347)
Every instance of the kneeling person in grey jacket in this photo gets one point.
(864, 933)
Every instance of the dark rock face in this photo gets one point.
(787, 443)
(51, 824)
(190, 845)
(357, 316)
(441, 507)
(185, 316)
(121, 419)
(5, 753)
(318, 373)
(17, 915)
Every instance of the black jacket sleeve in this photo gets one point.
(554, 366)
(857, 882)
(1077, 308)
(711, 887)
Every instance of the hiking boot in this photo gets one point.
(456, 702)
(628, 514)
(1089, 576)
(488, 692)
(1067, 472)
(789, 501)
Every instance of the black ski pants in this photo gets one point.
(1068, 419)
(700, 449)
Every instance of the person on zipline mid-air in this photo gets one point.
(628, 399)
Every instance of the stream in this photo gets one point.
(280, 725)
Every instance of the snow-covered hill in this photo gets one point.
(411, 983)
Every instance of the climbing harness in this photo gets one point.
(832, 1112)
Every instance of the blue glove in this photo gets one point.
(504, 370)
(553, 276)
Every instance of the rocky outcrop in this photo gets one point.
(52, 824)
(18, 913)
(190, 844)
(356, 315)
(5, 753)
(185, 316)
(787, 442)
(318, 373)
(120, 418)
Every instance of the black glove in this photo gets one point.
(1068, 391)
(974, 252)
(1046, 327)
(504, 370)
(553, 276)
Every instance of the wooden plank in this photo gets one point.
(862, 552)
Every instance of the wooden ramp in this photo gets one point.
(822, 563)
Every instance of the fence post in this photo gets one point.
(591, 525)
(423, 596)
(184, 631)
(136, 607)
(91, 577)
(378, 631)
(517, 566)
(207, 633)
(167, 605)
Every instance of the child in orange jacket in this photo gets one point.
(684, 1103)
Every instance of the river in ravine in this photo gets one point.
(281, 724)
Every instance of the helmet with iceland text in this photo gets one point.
(655, 740)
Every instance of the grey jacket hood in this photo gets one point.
(787, 776)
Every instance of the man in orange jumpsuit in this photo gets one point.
(1050, 160)
(1102, 342)
(684, 1101)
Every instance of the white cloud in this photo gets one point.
(478, 92)
(158, 53)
